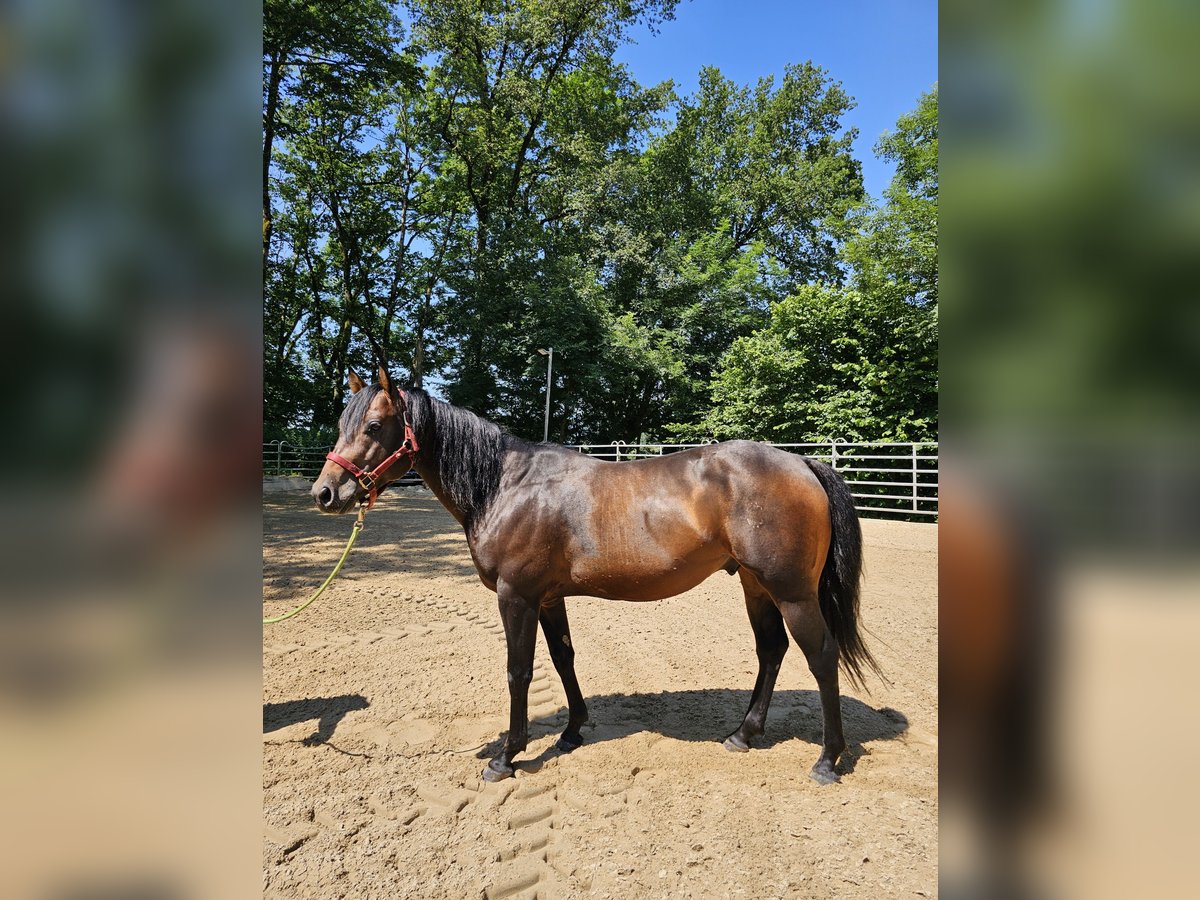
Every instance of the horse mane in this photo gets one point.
(356, 410)
(467, 449)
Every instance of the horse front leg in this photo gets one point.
(520, 618)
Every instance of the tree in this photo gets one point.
(330, 73)
(894, 252)
(832, 363)
(526, 104)
(857, 363)
(745, 196)
(342, 47)
(501, 184)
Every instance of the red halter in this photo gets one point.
(369, 481)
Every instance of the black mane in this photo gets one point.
(467, 449)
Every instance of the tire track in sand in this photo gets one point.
(526, 864)
(472, 616)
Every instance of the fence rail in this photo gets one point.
(898, 479)
(284, 458)
(889, 465)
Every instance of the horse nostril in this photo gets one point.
(325, 498)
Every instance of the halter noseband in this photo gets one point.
(369, 481)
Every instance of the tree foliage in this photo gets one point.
(451, 185)
(858, 362)
(894, 248)
(832, 363)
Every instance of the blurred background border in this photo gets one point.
(1071, 348)
(130, 336)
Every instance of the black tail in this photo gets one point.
(840, 579)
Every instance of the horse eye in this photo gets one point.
(373, 428)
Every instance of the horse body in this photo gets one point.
(648, 529)
(544, 523)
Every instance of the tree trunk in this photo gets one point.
(418, 364)
(274, 77)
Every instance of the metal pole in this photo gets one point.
(914, 476)
(549, 370)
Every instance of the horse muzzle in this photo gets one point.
(335, 498)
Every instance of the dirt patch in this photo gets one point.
(383, 702)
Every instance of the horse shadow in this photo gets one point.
(328, 711)
(712, 714)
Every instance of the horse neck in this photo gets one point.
(427, 468)
(464, 449)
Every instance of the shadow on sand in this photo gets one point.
(403, 533)
(328, 711)
(713, 713)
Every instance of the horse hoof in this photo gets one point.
(497, 772)
(735, 744)
(824, 774)
(566, 744)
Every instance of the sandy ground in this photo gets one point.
(382, 703)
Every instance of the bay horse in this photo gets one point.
(544, 523)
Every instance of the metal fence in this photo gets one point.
(886, 479)
(283, 458)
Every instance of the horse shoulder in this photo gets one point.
(527, 530)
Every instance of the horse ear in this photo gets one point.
(356, 383)
(385, 381)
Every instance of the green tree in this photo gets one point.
(341, 46)
(527, 105)
(330, 74)
(894, 252)
(832, 363)
(501, 184)
(857, 363)
(745, 196)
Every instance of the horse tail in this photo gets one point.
(839, 586)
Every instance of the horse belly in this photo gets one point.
(645, 573)
(647, 534)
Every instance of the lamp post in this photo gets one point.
(549, 368)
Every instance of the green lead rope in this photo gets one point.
(358, 526)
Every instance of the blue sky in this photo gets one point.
(884, 52)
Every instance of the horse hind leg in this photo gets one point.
(771, 644)
(555, 627)
(807, 625)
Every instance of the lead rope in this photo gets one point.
(358, 526)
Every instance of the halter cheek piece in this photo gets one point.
(369, 481)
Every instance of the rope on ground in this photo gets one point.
(358, 525)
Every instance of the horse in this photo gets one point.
(544, 523)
